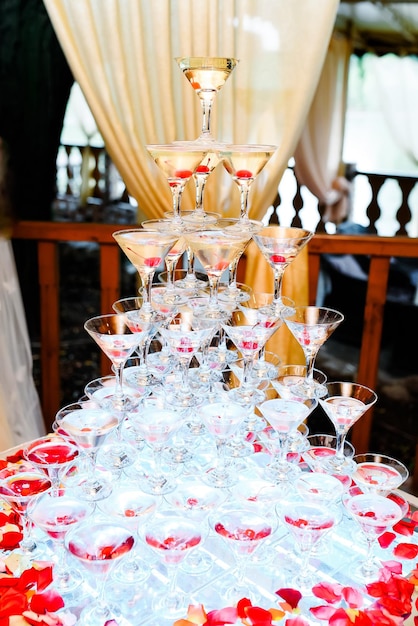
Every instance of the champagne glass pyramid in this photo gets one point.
(207, 75)
(280, 246)
(178, 163)
(344, 404)
(244, 163)
(146, 250)
(311, 326)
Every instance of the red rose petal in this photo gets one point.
(291, 596)
(329, 592)
(49, 601)
(406, 551)
(386, 539)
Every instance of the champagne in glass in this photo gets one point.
(379, 473)
(207, 75)
(280, 246)
(98, 546)
(88, 426)
(56, 513)
(375, 514)
(178, 163)
(146, 250)
(244, 163)
(311, 326)
(307, 522)
(344, 404)
(19, 484)
(172, 536)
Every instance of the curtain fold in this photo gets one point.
(122, 55)
(318, 155)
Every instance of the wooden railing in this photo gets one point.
(380, 250)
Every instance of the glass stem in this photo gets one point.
(213, 290)
(200, 182)
(190, 265)
(169, 264)
(146, 279)
(278, 280)
(244, 193)
(310, 357)
(176, 191)
(233, 267)
(206, 104)
(339, 445)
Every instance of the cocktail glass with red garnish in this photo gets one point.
(51, 454)
(56, 513)
(19, 484)
(98, 545)
(280, 246)
(244, 529)
(172, 536)
(146, 250)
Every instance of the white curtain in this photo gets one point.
(20, 412)
(318, 156)
(122, 55)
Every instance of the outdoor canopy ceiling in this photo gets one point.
(380, 26)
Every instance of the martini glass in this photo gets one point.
(289, 375)
(344, 404)
(56, 513)
(144, 322)
(98, 546)
(178, 163)
(244, 163)
(19, 484)
(130, 506)
(172, 536)
(115, 336)
(222, 419)
(216, 248)
(244, 529)
(236, 293)
(171, 295)
(146, 250)
(51, 454)
(379, 473)
(375, 514)
(207, 75)
(308, 522)
(156, 424)
(321, 449)
(311, 326)
(196, 500)
(88, 426)
(115, 453)
(284, 416)
(250, 329)
(185, 339)
(280, 246)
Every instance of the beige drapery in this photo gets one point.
(318, 155)
(122, 55)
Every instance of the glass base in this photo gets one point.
(172, 297)
(90, 487)
(116, 455)
(198, 562)
(67, 581)
(140, 377)
(283, 472)
(309, 389)
(221, 478)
